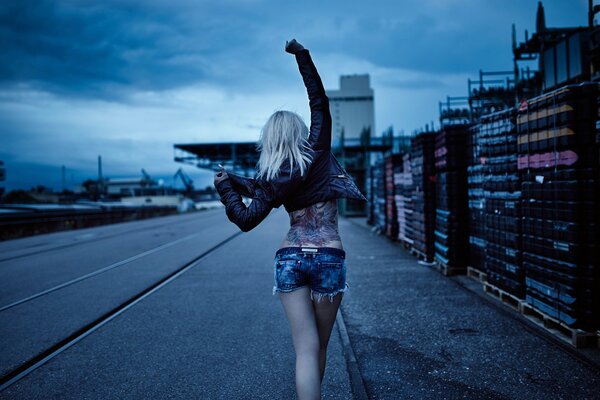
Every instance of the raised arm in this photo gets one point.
(320, 117)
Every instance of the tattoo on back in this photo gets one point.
(316, 224)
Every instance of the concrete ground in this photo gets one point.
(419, 335)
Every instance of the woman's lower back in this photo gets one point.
(314, 226)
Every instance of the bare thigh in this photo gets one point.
(311, 322)
(325, 313)
(300, 313)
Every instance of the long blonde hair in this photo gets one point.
(284, 137)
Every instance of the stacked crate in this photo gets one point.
(392, 162)
(501, 185)
(477, 242)
(422, 223)
(403, 188)
(452, 211)
(370, 198)
(598, 124)
(378, 193)
(558, 159)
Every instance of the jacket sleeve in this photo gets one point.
(244, 186)
(320, 116)
(265, 195)
(246, 218)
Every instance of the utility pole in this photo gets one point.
(100, 177)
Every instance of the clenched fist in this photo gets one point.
(293, 47)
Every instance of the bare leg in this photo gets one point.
(301, 316)
(325, 312)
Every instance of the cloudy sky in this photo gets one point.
(128, 79)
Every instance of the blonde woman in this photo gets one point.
(296, 169)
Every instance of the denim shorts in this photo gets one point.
(323, 269)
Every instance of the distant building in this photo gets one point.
(352, 109)
(133, 187)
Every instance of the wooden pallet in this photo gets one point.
(417, 253)
(476, 274)
(575, 337)
(445, 269)
(510, 300)
(407, 243)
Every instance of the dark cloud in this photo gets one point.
(107, 48)
(444, 36)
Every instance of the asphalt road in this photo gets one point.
(30, 328)
(215, 332)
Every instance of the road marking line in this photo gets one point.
(98, 272)
(44, 357)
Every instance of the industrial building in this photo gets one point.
(352, 109)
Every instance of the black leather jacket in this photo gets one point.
(325, 179)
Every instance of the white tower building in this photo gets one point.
(352, 109)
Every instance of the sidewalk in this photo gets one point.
(419, 335)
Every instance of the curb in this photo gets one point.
(357, 384)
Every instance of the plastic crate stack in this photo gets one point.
(502, 187)
(477, 241)
(558, 159)
(598, 124)
(422, 223)
(403, 187)
(369, 196)
(452, 211)
(392, 162)
(378, 190)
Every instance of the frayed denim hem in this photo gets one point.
(319, 295)
(314, 293)
(276, 289)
